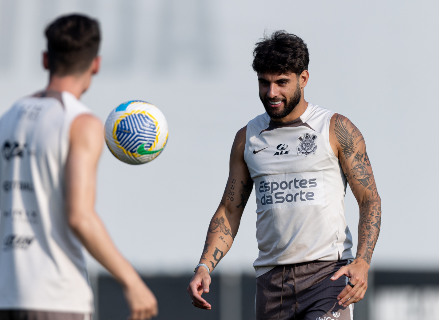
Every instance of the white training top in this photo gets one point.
(42, 266)
(300, 189)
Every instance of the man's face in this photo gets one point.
(279, 93)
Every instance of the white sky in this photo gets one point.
(375, 62)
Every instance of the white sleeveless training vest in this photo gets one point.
(300, 189)
(42, 265)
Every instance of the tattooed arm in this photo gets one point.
(225, 222)
(348, 144)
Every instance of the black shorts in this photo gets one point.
(302, 291)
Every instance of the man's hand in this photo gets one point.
(357, 273)
(141, 300)
(200, 284)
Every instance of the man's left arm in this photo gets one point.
(348, 144)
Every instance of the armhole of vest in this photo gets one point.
(328, 127)
(251, 126)
(65, 141)
(246, 140)
(69, 117)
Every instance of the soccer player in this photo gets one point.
(50, 146)
(299, 157)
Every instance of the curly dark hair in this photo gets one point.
(72, 44)
(282, 52)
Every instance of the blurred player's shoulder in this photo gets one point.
(88, 124)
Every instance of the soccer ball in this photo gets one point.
(136, 132)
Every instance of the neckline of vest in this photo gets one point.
(294, 123)
(298, 122)
(49, 94)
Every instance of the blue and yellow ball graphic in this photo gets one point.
(136, 132)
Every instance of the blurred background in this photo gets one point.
(375, 62)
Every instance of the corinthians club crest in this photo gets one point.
(307, 144)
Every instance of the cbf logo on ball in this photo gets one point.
(136, 132)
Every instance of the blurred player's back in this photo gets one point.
(39, 250)
(50, 147)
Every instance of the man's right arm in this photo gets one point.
(225, 222)
(86, 141)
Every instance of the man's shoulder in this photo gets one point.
(86, 132)
(261, 120)
(241, 134)
(315, 112)
(88, 122)
(72, 104)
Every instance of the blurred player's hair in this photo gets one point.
(72, 44)
(281, 52)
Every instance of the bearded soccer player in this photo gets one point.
(50, 147)
(299, 157)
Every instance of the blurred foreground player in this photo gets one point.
(50, 147)
(299, 157)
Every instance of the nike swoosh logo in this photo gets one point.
(141, 150)
(254, 151)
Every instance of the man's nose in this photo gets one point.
(272, 91)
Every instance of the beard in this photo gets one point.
(289, 105)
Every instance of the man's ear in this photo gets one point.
(96, 65)
(46, 60)
(303, 79)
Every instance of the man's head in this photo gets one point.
(72, 45)
(281, 62)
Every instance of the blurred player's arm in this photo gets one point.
(225, 222)
(86, 141)
(351, 150)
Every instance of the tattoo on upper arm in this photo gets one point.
(360, 169)
(218, 225)
(229, 192)
(217, 256)
(362, 157)
(245, 191)
(344, 137)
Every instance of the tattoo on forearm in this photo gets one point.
(245, 191)
(205, 250)
(224, 241)
(217, 256)
(368, 228)
(218, 225)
